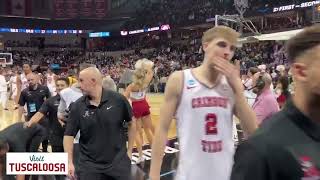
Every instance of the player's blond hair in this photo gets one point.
(220, 32)
(140, 72)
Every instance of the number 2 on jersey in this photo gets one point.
(211, 124)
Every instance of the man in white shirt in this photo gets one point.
(3, 89)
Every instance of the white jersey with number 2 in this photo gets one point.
(204, 126)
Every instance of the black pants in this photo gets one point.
(76, 156)
(56, 148)
(34, 144)
(99, 176)
(120, 170)
(33, 147)
(44, 123)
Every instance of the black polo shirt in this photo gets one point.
(287, 147)
(50, 108)
(19, 138)
(34, 98)
(102, 132)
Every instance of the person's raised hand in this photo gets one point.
(231, 71)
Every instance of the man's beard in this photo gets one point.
(314, 101)
(32, 86)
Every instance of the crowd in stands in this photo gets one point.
(167, 58)
(268, 56)
(19, 44)
(268, 52)
(36, 43)
(128, 43)
(64, 58)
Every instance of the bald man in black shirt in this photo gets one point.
(33, 97)
(100, 116)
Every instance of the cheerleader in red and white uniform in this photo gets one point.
(136, 93)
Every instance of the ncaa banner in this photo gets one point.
(37, 163)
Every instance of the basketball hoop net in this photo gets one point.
(241, 6)
(6, 59)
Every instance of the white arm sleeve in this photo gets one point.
(62, 109)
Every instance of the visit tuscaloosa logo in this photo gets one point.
(37, 163)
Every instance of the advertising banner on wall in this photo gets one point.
(295, 6)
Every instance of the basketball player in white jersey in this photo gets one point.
(3, 89)
(22, 81)
(204, 100)
(13, 85)
(51, 79)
